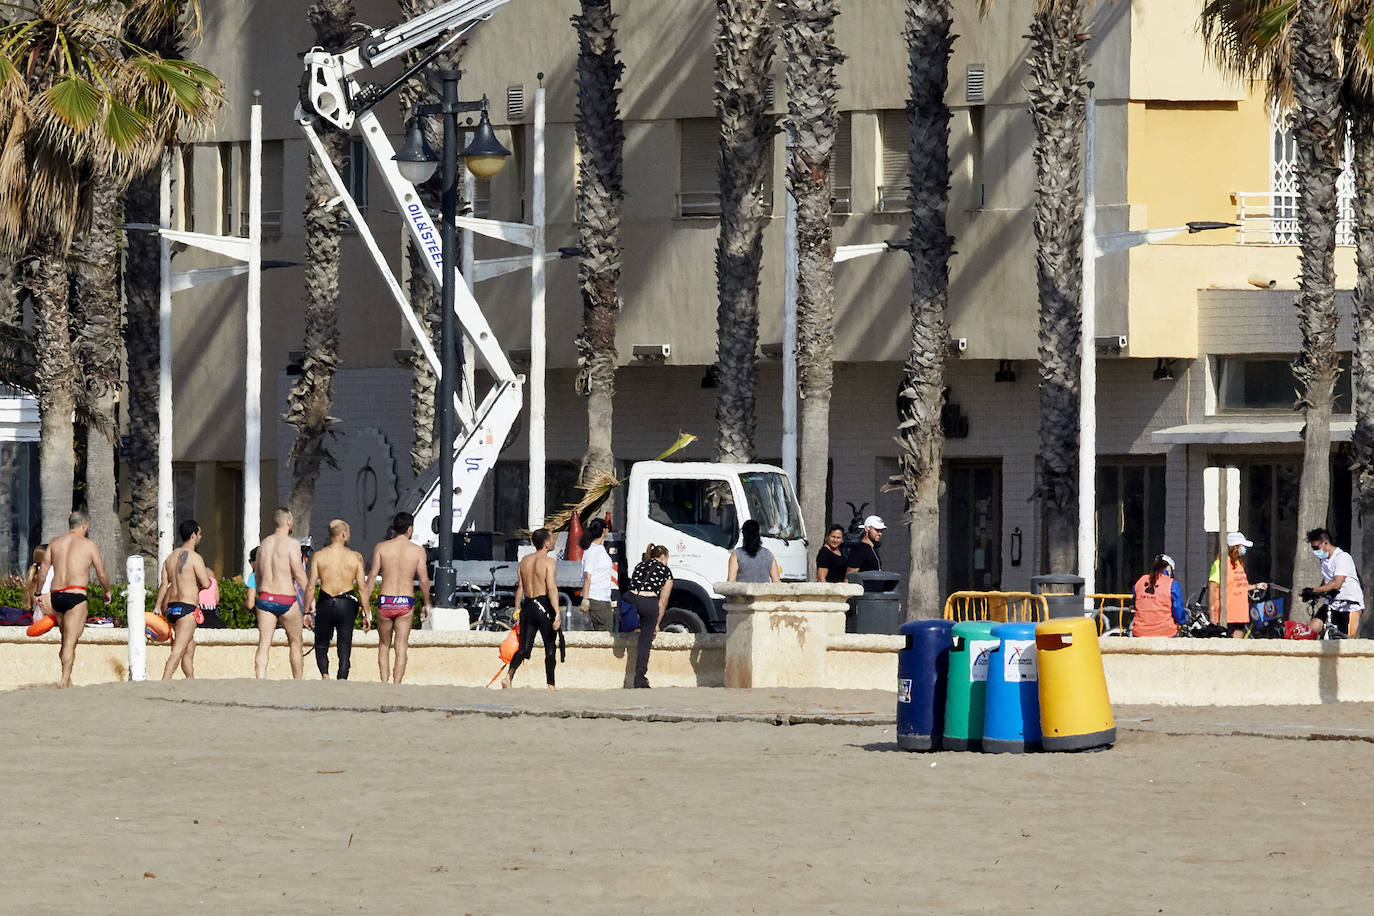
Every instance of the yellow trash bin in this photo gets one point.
(1075, 712)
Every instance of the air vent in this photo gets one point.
(770, 94)
(515, 103)
(973, 83)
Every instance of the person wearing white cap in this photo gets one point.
(1159, 608)
(1237, 586)
(863, 556)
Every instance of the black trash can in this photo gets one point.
(1063, 594)
(879, 608)
(922, 669)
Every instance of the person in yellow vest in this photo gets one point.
(1159, 608)
(1238, 587)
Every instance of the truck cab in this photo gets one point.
(695, 509)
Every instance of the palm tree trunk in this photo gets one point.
(1361, 110)
(929, 45)
(808, 34)
(424, 295)
(142, 337)
(99, 349)
(600, 193)
(744, 54)
(1058, 94)
(46, 280)
(312, 395)
(1317, 126)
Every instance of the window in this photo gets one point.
(230, 170)
(235, 160)
(187, 210)
(772, 505)
(1130, 520)
(512, 494)
(354, 174)
(977, 189)
(841, 167)
(894, 189)
(1269, 514)
(1284, 193)
(20, 506)
(183, 492)
(700, 509)
(1267, 383)
(698, 169)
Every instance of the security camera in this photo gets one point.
(652, 351)
(958, 344)
(1261, 281)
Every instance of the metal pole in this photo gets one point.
(252, 418)
(1087, 400)
(789, 341)
(469, 256)
(138, 645)
(166, 498)
(537, 339)
(449, 359)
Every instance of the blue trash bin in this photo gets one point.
(921, 671)
(1011, 717)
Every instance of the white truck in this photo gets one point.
(693, 508)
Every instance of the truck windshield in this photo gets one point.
(771, 503)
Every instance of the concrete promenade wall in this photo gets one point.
(1181, 672)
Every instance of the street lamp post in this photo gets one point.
(485, 157)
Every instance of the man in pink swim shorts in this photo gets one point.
(400, 562)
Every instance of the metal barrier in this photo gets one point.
(1113, 612)
(1003, 607)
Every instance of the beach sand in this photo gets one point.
(236, 796)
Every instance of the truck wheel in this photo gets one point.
(679, 620)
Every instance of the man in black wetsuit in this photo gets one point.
(537, 597)
(338, 571)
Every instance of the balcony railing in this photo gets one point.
(1267, 218)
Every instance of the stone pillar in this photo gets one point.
(776, 633)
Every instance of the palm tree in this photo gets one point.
(312, 396)
(808, 37)
(600, 193)
(166, 28)
(929, 44)
(744, 55)
(76, 109)
(424, 294)
(1058, 93)
(1297, 45)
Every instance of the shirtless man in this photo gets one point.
(536, 594)
(338, 571)
(72, 557)
(279, 572)
(399, 562)
(183, 576)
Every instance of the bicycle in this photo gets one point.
(485, 607)
(1330, 629)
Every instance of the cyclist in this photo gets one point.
(1340, 585)
(1159, 608)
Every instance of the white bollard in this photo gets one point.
(138, 642)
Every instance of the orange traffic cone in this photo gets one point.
(575, 538)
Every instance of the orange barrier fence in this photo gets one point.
(1003, 607)
(1114, 612)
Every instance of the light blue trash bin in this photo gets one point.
(1011, 716)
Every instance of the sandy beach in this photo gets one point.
(236, 796)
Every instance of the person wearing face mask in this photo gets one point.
(1238, 587)
(1340, 584)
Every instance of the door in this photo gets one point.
(974, 495)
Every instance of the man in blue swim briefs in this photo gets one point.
(183, 576)
(280, 572)
(400, 562)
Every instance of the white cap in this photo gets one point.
(874, 521)
(1168, 560)
(1236, 539)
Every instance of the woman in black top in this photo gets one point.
(830, 563)
(650, 586)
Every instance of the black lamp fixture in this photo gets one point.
(1164, 370)
(485, 156)
(1005, 371)
(417, 160)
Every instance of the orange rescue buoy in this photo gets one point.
(41, 625)
(156, 627)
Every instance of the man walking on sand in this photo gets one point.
(279, 573)
(183, 577)
(338, 571)
(536, 594)
(72, 556)
(399, 562)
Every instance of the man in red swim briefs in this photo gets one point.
(400, 562)
(279, 573)
(72, 557)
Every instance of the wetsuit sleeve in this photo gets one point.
(1180, 610)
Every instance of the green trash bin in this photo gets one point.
(967, 684)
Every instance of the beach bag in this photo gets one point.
(510, 646)
(15, 617)
(629, 616)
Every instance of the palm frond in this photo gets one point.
(76, 101)
(683, 440)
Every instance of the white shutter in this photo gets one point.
(698, 182)
(841, 167)
(273, 164)
(894, 192)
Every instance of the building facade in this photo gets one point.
(1195, 331)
